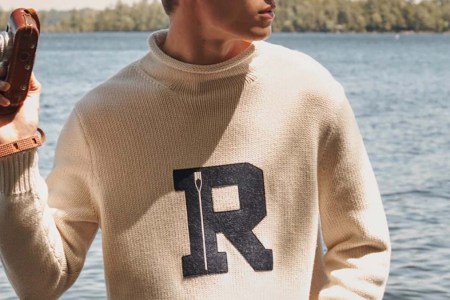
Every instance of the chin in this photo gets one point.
(259, 34)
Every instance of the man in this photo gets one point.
(213, 165)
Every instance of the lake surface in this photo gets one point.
(399, 88)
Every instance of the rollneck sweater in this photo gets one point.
(223, 181)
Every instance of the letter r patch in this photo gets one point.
(205, 221)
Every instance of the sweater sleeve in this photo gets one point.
(352, 216)
(45, 231)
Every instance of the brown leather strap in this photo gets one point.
(24, 144)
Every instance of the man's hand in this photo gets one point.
(24, 123)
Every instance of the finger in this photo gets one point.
(4, 86)
(4, 101)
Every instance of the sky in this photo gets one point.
(60, 4)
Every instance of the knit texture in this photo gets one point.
(207, 182)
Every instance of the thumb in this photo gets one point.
(35, 85)
(29, 110)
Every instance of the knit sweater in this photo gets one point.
(224, 181)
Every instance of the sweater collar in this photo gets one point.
(178, 75)
(157, 39)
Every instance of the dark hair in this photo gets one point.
(169, 6)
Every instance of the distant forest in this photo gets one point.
(292, 16)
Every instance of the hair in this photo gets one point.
(169, 6)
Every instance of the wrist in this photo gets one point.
(11, 132)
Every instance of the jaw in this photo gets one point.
(261, 33)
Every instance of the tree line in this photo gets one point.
(292, 16)
(364, 15)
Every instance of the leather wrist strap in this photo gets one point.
(24, 144)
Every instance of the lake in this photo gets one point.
(399, 88)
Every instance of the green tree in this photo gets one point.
(292, 15)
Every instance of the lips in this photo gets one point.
(268, 12)
(270, 9)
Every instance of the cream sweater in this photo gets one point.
(208, 182)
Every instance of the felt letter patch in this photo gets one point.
(237, 224)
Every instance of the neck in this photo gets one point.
(194, 47)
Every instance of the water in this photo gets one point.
(400, 91)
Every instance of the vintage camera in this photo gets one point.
(18, 45)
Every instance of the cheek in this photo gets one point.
(249, 28)
(231, 22)
(227, 18)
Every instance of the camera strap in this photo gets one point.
(24, 144)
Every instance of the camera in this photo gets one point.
(18, 45)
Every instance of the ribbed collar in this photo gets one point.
(178, 75)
